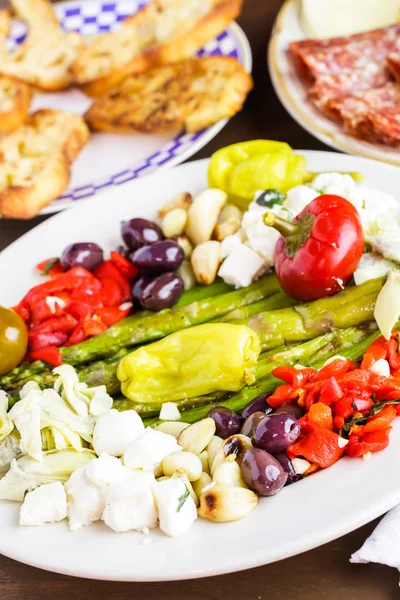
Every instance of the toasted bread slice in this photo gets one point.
(35, 161)
(191, 94)
(45, 57)
(15, 99)
(162, 32)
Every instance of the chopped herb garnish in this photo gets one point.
(49, 265)
(270, 197)
(374, 411)
(320, 192)
(182, 499)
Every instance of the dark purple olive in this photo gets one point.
(82, 254)
(251, 423)
(292, 409)
(140, 232)
(227, 422)
(137, 288)
(276, 432)
(159, 257)
(262, 472)
(287, 466)
(259, 404)
(162, 292)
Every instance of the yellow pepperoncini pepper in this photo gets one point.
(191, 362)
(247, 167)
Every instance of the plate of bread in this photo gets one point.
(95, 93)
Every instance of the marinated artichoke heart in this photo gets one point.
(190, 363)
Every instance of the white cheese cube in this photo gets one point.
(148, 451)
(241, 266)
(106, 471)
(130, 504)
(176, 508)
(85, 501)
(45, 504)
(114, 432)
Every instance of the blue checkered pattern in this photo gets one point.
(92, 17)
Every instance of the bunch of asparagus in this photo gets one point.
(308, 333)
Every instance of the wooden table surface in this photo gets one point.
(324, 573)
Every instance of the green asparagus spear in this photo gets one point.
(354, 306)
(279, 300)
(158, 325)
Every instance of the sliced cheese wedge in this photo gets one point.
(330, 18)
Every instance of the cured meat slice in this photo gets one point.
(393, 63)
(377, 126)
(319, 58)
(326, 90)
(352, 106)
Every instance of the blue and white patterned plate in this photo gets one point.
(111, 159)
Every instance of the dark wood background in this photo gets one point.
(321, 574)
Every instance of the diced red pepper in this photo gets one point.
(108, 270)
(124, 266)
(380, 421)
(50, 354)
(330, 391)
(393, 355)
(42, 340)
(93, 327)
(375, 352)
(111, 292)
(65, 324)
(77, 336)
(338, 423)
(357, 377)
(320, 447)
(321, 415)
(110, 314)
(283, 393)
(50, 266)
(294, 377)
(370, 442)
(335, 369)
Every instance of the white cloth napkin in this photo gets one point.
(383, 545)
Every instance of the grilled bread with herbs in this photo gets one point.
(35, 161)
(164, 31)
(191, 94)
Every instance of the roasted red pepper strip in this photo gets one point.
(41, 340)
(108, 270)
(335, 369)
(319, 251)
(375, 352)
(50, 266)
(320, 447)
(111, 292)
(294, 377)
(65, 324)
(319, 415)
(393, 355)
(124, 266)
(331, 391)
(283, 393)
(370, 442)
(50, 354)
(111, 314)
(380, 421)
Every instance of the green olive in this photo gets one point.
(13, 340)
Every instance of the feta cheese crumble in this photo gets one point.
(45, 504)
(115, 431)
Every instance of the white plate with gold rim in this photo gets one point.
(312, 512)
(292, 92)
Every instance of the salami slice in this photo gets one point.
(393, 63)
(326, 93)
(377, 126)
(349, 108)
(319, 58)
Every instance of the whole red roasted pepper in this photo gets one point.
(318, 253)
